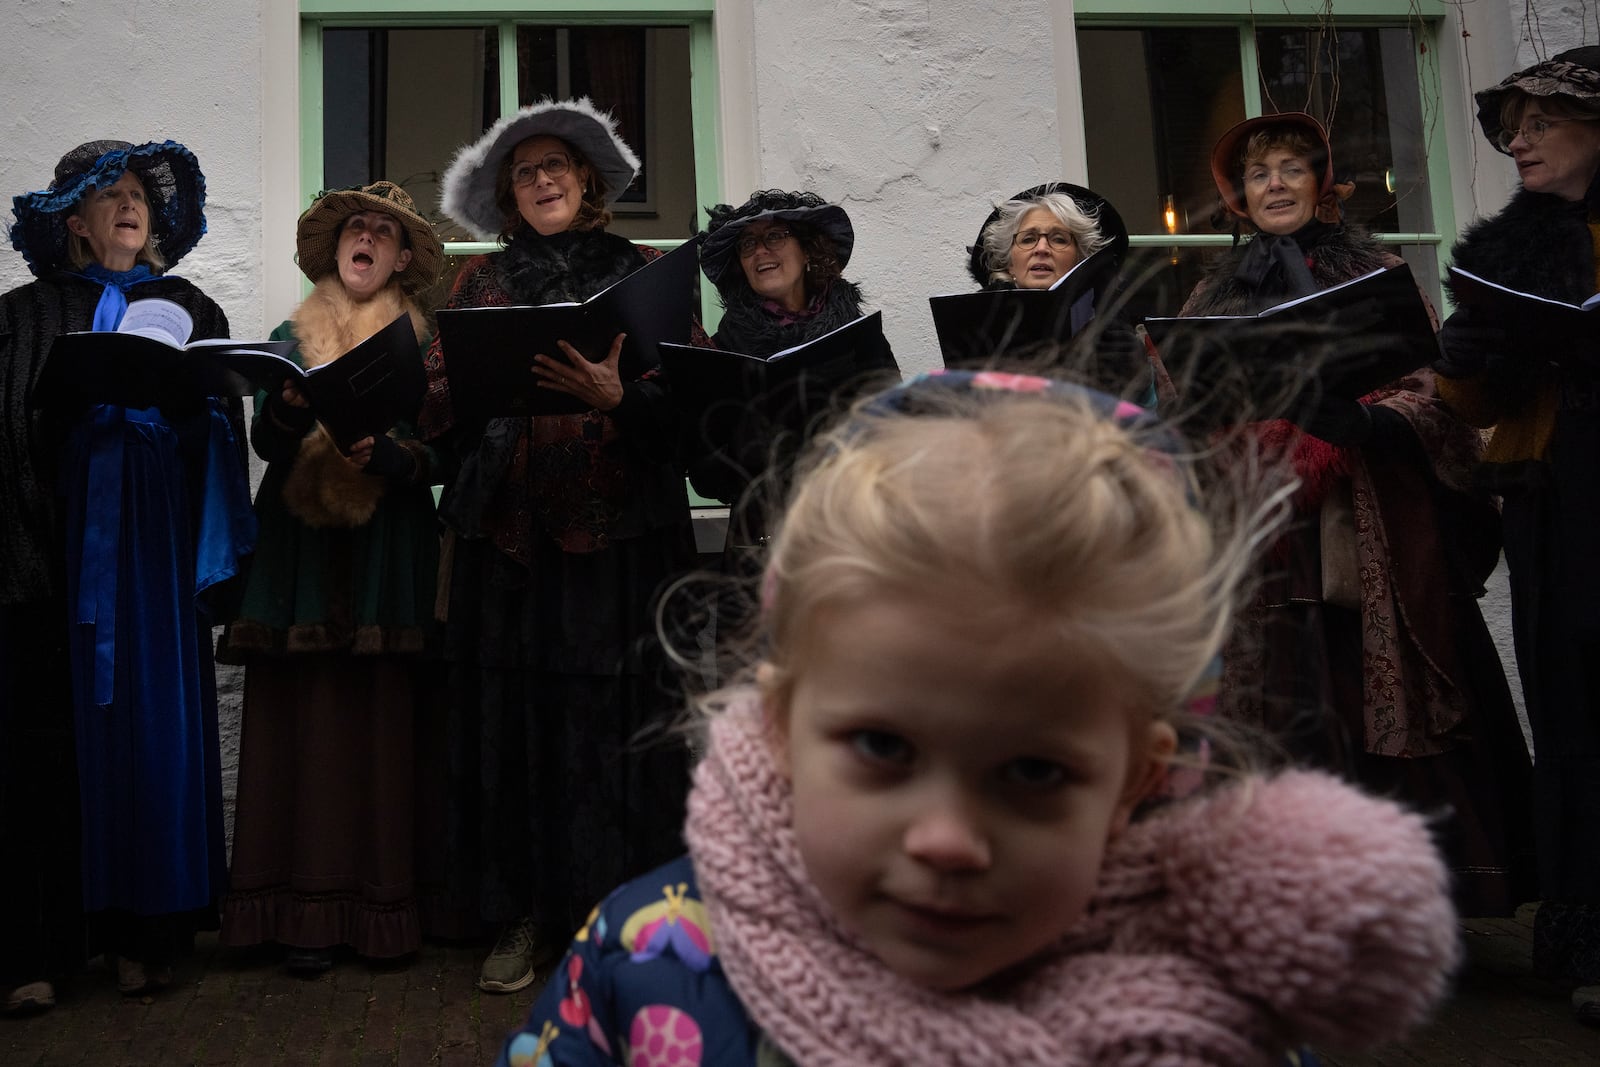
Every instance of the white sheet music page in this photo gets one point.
(159, 319)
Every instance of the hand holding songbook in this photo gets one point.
(1473, 343)
(598, 385)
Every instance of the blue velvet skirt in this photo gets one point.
(156, 513)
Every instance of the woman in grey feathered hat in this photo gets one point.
(565, 527)
(1538, 392)
(111, 545)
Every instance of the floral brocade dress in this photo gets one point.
(564, 531)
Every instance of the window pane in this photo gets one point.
(1364, 83)
(640, 75)
(1184, 86)
(382, 121)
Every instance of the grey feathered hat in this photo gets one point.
(468, 189)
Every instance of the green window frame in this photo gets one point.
(1423, 17)
(506, 16)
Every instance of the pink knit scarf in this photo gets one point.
(1226, 929)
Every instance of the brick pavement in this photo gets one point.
(230, 1007)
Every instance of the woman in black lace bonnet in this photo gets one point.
(777, 261)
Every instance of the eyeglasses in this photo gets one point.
(772, 240)
(1532, 133)
(1290, 171)
(554, 166)
(1059, 240)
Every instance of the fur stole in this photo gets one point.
(1539, 243)
(747, 326)
(1337, 256)
(323, 488)
(573, 265)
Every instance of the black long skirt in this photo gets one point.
(568, 777)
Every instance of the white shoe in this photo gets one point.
(35, 996)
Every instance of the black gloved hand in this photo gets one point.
(1472, 345)
(291, 419)
(1352, 424)
(392, 461)
(181, 399)
(1346, 423)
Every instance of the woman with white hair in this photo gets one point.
(1031, 240)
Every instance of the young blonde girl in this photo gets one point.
(928, 831)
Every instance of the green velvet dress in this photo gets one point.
(334, 631)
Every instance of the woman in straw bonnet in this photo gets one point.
(335, 613)
(118, 526)
(566, 528)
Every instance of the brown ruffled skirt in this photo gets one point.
(325, 828)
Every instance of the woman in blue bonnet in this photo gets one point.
(118, 529)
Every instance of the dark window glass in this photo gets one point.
(381, 119)
(640, 75)
(1363, 84)
(1183, 86)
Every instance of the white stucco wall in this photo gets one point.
(83, 70)
(1546, 27)
(915, 115)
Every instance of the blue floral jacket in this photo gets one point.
(641, 985)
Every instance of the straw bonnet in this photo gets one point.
(317, 235)
(1091, 203)
(719, 254)
(173, 185)
(468, 193)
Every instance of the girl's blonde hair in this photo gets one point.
(1029, 509)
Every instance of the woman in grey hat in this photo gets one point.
(118, 527)
(565, 530)
(1544, 406)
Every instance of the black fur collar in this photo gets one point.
(1336, 256)
(573, 265)
(1539, 243)
(748, 327)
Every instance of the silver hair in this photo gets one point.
(998, 235)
